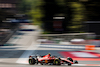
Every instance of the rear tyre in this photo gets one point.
(32, 61)
(56, 62)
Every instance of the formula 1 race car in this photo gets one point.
(52, 60)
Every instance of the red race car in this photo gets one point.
(52, 60)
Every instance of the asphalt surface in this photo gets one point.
(25, 44)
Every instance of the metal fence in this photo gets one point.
(67, 37)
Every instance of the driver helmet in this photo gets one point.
(49, 54)
(68, 57)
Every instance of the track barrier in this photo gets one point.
(89, 47)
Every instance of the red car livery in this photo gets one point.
(52, 60)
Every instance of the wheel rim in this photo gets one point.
(56, 62)
(30, 61)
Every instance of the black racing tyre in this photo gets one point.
(69, 64)
(75, 62)
(32, 61)
(56, 62)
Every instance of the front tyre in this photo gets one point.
(69, 64)
(75, 62)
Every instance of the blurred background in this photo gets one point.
(67, 19)
(30, 27)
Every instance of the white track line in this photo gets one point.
(84, 64)
(78, 64)
(62, 46)
(24, 57)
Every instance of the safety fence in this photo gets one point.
(58, 38)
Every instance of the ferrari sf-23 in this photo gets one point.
(51, 60)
